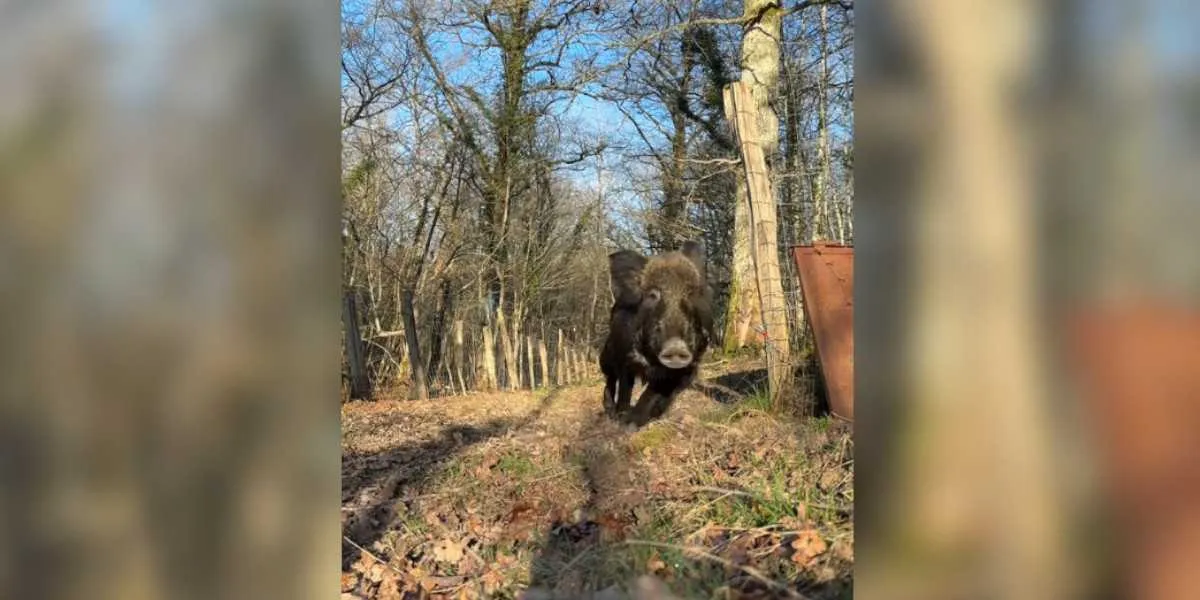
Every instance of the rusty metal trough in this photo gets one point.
(827, 284)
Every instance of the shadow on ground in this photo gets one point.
(617, 537)
(732, 387)
(371, 483)
(810, 393)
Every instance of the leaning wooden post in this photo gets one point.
(764, 246)
(360, 384)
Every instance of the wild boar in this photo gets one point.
(659, 328)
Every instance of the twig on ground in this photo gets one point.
(369, 553)
(578, 557)
(751, 571)
(725, 492)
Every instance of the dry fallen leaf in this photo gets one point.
(375, 573)
(642, 514)
(432, 518)
(830, 479)
(485, 466)
(428, 584)
(447, 551)
(843, 550)
(349, 581)
(362, 564)
(655, 564)
(492, 580)
(389, 588)
(807, 546)
(612, 528)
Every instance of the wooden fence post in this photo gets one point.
(488, 359)
(560, 372)
(764, 246)
(545, 367)
(459, 356)
(529, 361)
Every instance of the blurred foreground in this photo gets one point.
(1026, 300)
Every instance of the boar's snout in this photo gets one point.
(675, 354)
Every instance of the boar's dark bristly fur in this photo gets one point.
(659, 328)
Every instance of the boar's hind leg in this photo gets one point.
(624, 393)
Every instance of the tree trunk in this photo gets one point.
(419, 390)
(518, 317)
(438, 334)
(821, 228)
(760, 72)
(743, 309)
(360, 384)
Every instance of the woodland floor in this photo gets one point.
(537, 495)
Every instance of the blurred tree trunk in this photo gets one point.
(419, 390)
(975, 414)
(360, 384)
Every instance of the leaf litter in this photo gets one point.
(536, 494)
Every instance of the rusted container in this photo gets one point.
(827, 284)
(1139, 375)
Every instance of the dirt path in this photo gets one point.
(537, 495)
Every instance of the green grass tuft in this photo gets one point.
(516, 465)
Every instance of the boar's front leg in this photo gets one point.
(653, 403)
(610, 393)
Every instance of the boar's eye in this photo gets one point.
(653, 296)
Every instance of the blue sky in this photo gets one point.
(1173, 42)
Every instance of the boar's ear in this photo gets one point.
(695, 253)
(626, 270)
